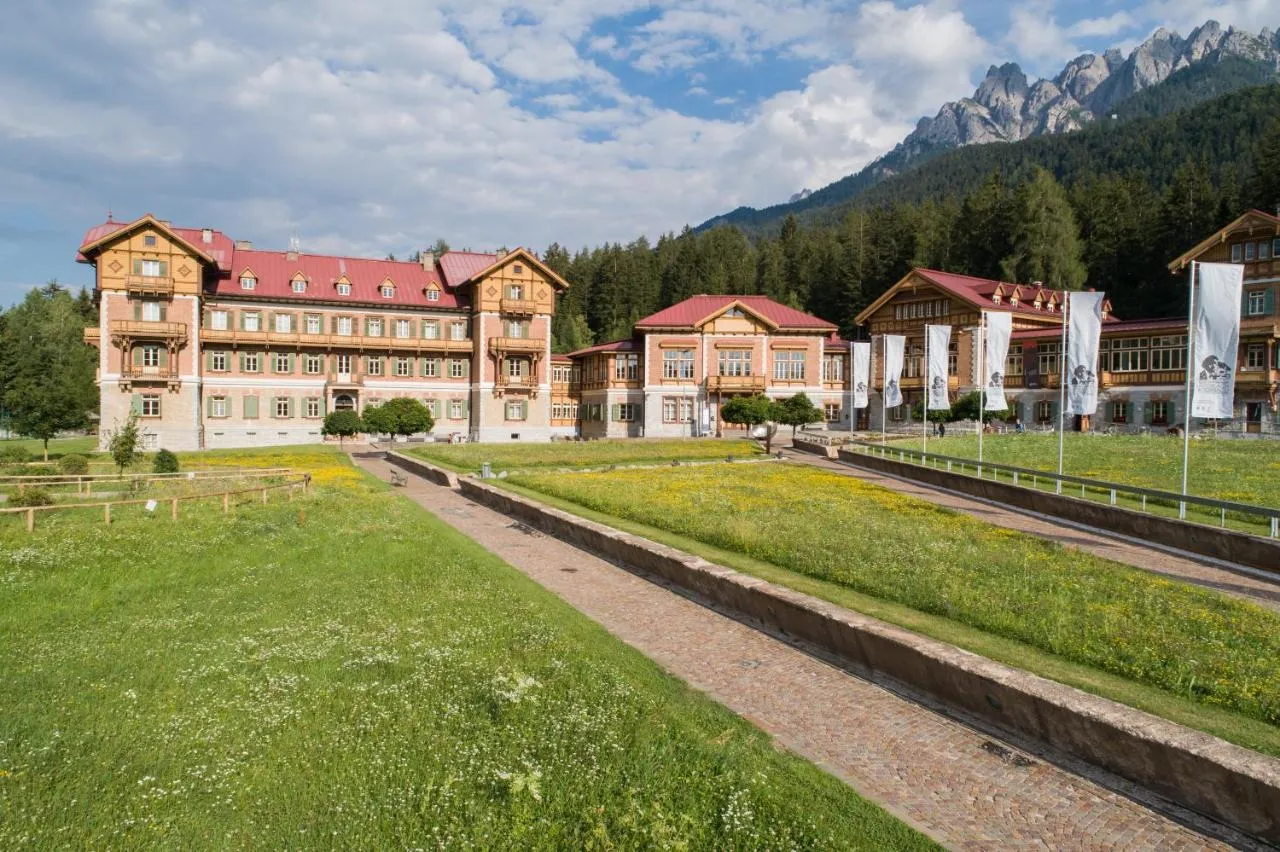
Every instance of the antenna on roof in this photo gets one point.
(110, 218)
(294, 244)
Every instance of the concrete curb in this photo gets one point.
(438, 475)
(1240, 548)
(803, 446)
(1223, 781)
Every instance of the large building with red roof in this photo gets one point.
(214, 343)
(1142, 368)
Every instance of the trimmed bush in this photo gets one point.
(30, 495)
(165, 462)
(14, 454)
(73, 464)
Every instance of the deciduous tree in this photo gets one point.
(399, 416)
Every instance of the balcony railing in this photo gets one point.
(93, 336)
(526, 307)
(147, 330)
(517, 344)
(735, 383)
(240, 337)
(149, 285)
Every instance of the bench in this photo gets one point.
(398, 478)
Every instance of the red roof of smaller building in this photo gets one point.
(695, 309)
(560, 358)
(219, 246)
(630, 344)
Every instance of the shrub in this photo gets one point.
(165, 462)
(73, 464)
(30, 495)
(36, 470)
(14, 454)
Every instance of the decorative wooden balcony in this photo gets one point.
(522, 307)
(93, 336)
(518, 384)
(235, 337)
(149, 285)
(524, 345)
(736, 384)
(125, 331)
(1266, 377)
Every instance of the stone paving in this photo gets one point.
(1257, 589)
(962, 787)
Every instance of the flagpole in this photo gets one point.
(884, 389)
(1062, 386)
(1191, 356)
(853, 411)
(982, 380)
(924, 402)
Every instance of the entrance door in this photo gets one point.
(344, 402)
(1253, 417)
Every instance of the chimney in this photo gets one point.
(294, 248)
(244, 245)
(206, 236)
(428, 260)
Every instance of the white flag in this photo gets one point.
(861, 373)
(1083, 333)
(1217, 330)
(939, 346)
(999, 330)
(893, 346)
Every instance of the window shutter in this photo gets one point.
(137, 356)
(1171, 412)
(1244, 302)
(1269, 301)
(204, 319)
(208, 406)
(135, 403)
(241, 362)
(137, 310)
(164, 312)
(208, 361)
(1146, 412)
(162, 357)
(290, 363)
(250, 407)
(524, 410)
(137, 267)
(614, 412)
(1053, 410)
(242, 313)
(466, 408)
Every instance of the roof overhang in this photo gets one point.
(529, 258)
(1255, 218)
(736, 303)
(147, 221)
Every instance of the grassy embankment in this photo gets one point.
(1192, 655)
(345, 671)
(466, 458)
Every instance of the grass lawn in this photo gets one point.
(469, 457)
(1183, 652)
(1222, 469)
(358, 676)
(57, 446)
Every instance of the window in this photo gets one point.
(248, 282)
(314, 407)
(433, 295)
(404, 367)
(1044, 411)
(342, 364)
(218, 406)
(1119, 412)
(250, 362)
(734, 362)
(218, 362)
(151, 311)
(1275, 247)
(314, 324)
(1264, 250)
(251, 320)
(1159, 412)
(284, 323)
(455, 409)
(896, 414)
(344, 289)
(627, 412)
(149, 240)
(953, 358)
(677, 363)
(1049, 355)
(431, 330)
(1013, 361)
(403, 328)
(788, 365)
(373, 326)
(151, 356)
(832, 412)
(1255, 356)
(458, 331)
(515, 329)
(457, 369)
(431, 368)
(515, 292)
(1169, 352)
(736, 313)
(388, 291)
(515, 410)
(516, 369)
(313, 364)
(344, 326)
(1125, 354)
(373, 365)
(1257, 304)
(914, 361)
(152, 268)
(1250, 251)
(284, 407)
(282, 363)
(1237, 253)
(299, 285)
(517, 269)
(833, 368)
(626, 368)
(150, 405)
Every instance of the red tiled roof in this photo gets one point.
(978, 291)
(628, 345)
(697, 308)
(560, 358)
(459, 266)
(275, 271)
(219, 247)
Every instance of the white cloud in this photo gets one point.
(1183, 15)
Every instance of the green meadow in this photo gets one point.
(466, 458)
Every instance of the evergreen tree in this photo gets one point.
(1045, 236)
(1265, 186)
(981, 237)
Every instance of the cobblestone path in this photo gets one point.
(962, 787)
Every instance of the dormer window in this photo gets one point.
(299, 284)
(433, 295)
(388, 290)
(344, 287)
(995, 298)
(248, 282)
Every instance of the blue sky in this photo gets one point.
(370, 130)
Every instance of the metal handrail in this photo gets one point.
(1115, 488)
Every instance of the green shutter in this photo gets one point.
(208, 362)
(1269, 301)
(524, 410)
(1171, 412)
(137, 356)
(208, 406)
(162, 357)
(137, 310)
(250, 407)
(614, 412)
(1146, 413)
(135, 403)
(240, 315)
(164, 312)
(204, 319)
(241, 362)
(137, 267)
(291, 369)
